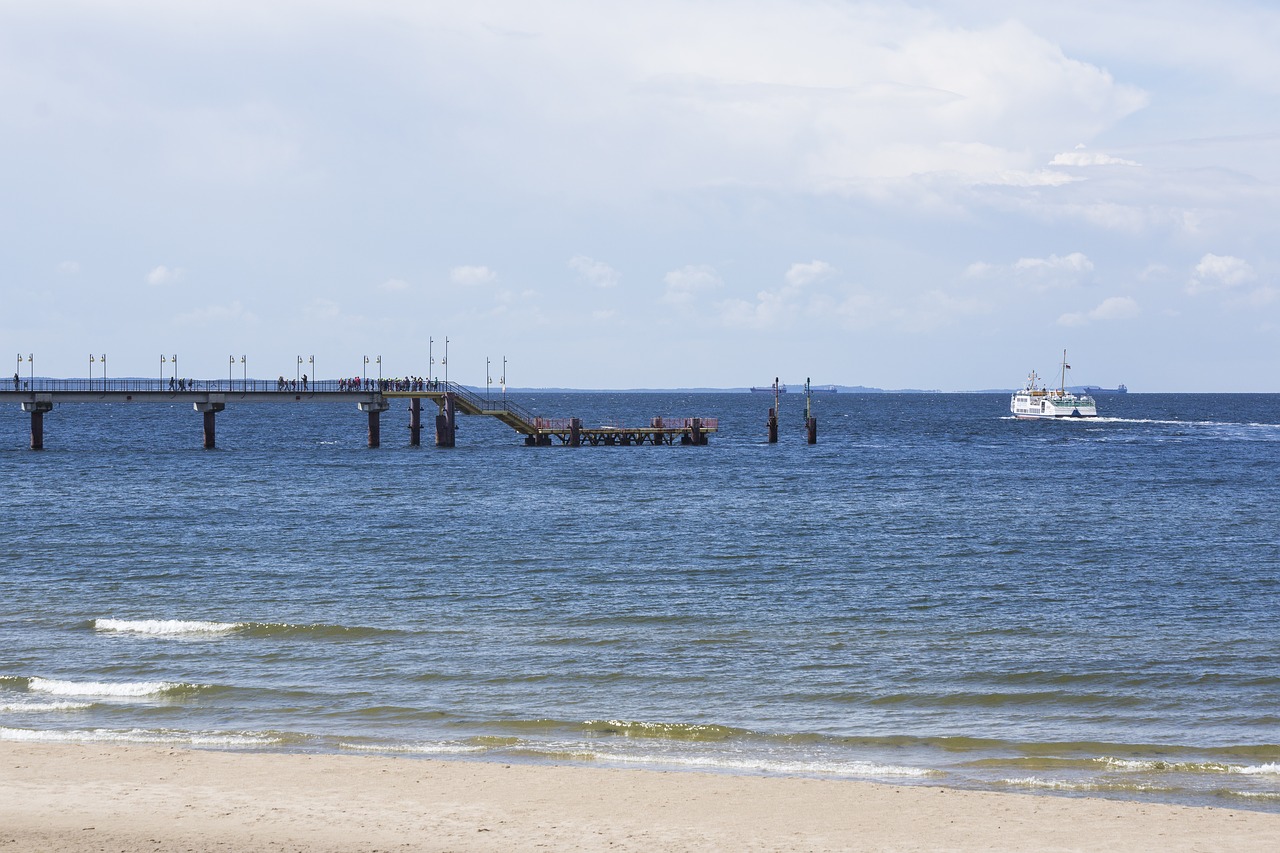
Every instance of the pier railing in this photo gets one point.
(218, 386)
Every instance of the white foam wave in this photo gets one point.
(1272, 769)
(850, 769)
(1150, 765)
(101, 688)
(414, 748)
(40, 707)
(1063, 785)
(137, 736)
(163, 627)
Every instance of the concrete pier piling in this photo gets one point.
(415, 421)
(209, 408)
(446, 422)
(37, 407)
(375, 408)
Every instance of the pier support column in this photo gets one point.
(446, 422)
(415, 421)
(773, 426)
(575, 432)
(695, 431)
(811, 426)
(375, 408)
(37, 408)
(210, 407)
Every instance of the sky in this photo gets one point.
(937, 195)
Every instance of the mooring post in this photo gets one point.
(415, 421)
(575, 432)
(696, 429)
(37, 408)
(209, 407)
(773, 413)
(810, 422)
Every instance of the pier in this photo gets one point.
(39, 396)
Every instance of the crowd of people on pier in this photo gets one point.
(410, 383)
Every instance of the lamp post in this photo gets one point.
(175, 367)
(244, 376)
(162, 363)
(445, 361)
(503, 379)
(297, 373)
(311, 363)
(431, 360)
(364, 372)
(91, 361)
(104, 371)
(231, 371)
(488, 382)
(379, 360)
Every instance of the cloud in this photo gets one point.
(1080, 157)
(163, 275)
(1112, 308)
(394, 285)
(803, 274)
(688, 281)
(1219, 272)
(1055, 271)
(69, 268)
(472, 275)
(594, 272)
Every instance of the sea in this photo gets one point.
(933, 594)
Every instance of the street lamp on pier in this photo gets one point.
(311, 362)
(244, 376)
(231, 371)
(91, 361)
(445, 361)
(364, 372)
(502, 380)
(379, 359)
(297, 373)
(104, 371)
(488, 381)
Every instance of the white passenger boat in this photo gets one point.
(1035, 401)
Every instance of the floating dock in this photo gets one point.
(38, 397)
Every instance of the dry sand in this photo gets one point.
(61, 797)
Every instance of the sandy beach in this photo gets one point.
(65, 797)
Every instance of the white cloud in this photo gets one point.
(472, 275)
(163, 275)
(394, 285)
(1080, 157)
(596, 273)
(687, 282)
(1219, 272)
(1074, 263)
(68, 268)
(1112, 308)
(803, 274)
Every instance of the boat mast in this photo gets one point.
(1062, 383)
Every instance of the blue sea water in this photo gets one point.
(933, 594)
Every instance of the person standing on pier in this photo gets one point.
(16, 380)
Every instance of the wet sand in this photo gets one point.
(71, 797)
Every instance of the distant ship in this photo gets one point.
(1094, 389)
(1037, 402)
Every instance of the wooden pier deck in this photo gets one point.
(39, 396)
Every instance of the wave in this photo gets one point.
(1091, 785)
(127, 689)
(669, 731)
(43, 707)
(799, 767)
(163, 627)
(415, 748)
(158, 736)
(198, 627)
